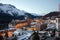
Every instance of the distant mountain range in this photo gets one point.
(9, 12)
(29, 15)
(53, 15)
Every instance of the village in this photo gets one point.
(37, 25)
(29, 20)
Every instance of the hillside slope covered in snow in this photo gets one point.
(7, 11)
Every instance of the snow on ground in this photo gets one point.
(23, 34)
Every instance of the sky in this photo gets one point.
(40, 7)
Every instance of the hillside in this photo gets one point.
(55, 13)
(14, 13)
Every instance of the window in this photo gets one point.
(59, 21)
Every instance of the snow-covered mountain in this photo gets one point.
(7, 8)
(14, 13)
(9, 11)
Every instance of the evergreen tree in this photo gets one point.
(36, 36)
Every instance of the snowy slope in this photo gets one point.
(16, 13)
(7, 8)
(23, 34)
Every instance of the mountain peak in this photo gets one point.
(7, 8)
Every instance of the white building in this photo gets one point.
(57, 26)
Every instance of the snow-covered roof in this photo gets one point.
(51, 26)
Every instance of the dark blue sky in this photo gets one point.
(40, 7)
